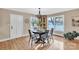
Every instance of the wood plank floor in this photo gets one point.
(14, 44)
(22, 44)
(18, 44)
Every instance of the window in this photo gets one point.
(34, 22)
(56, 22)
(51, 22)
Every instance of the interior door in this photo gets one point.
(13, 25)
(16, 26)
(19, 25)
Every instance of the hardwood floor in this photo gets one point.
(71, 44)
(18, 44)
(15, 44)
(59, 43)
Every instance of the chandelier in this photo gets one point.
(39, 15)
(39, 11)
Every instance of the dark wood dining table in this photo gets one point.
(40, 33)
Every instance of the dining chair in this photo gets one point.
(45, 37)
(51, 33)
(32, 37)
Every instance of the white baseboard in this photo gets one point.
(12, 38)
(58, 34)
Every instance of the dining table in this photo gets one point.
(40, 33)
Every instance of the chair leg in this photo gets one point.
(48, 41)
(52, 39)
(30, 42)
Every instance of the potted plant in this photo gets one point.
(70, 35)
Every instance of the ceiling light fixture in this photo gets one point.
(39, 13)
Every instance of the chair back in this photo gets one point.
(30, 33)
(51, 31)
(47, 31)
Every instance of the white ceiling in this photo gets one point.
(44, 11)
